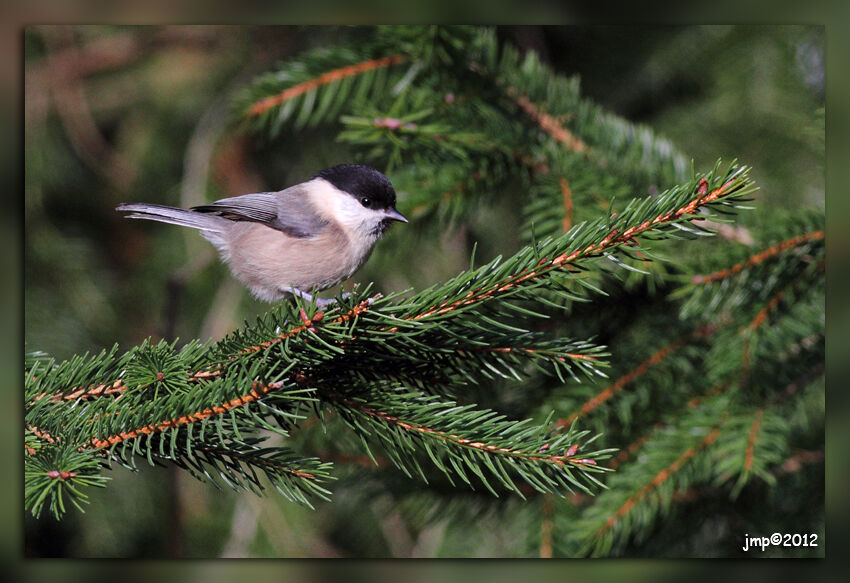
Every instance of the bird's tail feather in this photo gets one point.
(175, 216)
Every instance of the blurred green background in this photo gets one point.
(119, 113)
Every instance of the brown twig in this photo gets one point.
(610, 240)
(116, 388)
(547, 123)
(791, 465)
(385, 417)
(546, 528)
(42, 434)
(257, 391)
(751, 440)
(638, 371)
(758, 257)
(309, 323)
(330, 77)
(759, 319)
(568, 204)
(659, 479)
(633, 447)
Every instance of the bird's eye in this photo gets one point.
(367, 202)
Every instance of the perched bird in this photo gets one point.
(310, 236)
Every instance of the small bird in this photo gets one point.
(309, 236)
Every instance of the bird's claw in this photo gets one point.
(324, 302)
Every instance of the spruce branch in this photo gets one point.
(549, 100)
(485, 400)
(567, 194)
(502, 446)
(658, 480)
(546, 122)
(327, 78)
(637, 497)
(729, 338)
(297, 478)
(55, 476)
(665, 216)
(412, 124)
(642, 368)
(174, 402)
(320, 84)
(630, 450)
(749, 442)
(755, 436)
(758, 257)
(792, 464)
(315, 88)
(257, 392)
(804, 316)
(755, 277)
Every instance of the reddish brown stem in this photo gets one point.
(568, 204)
(612, 239)
(330, 77)
(758, 257)
(751, 440)
(257, 391)
(638, 371)
(548, 123)
(659, 479)
(456, 439)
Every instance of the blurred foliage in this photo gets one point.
(119, 113)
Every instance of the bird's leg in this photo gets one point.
(320, 302)
(323, 302)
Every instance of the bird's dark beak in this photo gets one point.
(394, 215)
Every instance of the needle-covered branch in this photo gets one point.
(579, 391)
(753, 277)
(196, 406)
(461, 440)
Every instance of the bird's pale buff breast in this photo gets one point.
(268, 260)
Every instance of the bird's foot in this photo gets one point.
(308, 297)
(371, 299)
(324, 302)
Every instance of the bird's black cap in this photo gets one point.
(362, 182)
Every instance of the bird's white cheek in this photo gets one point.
(356, 218)
(359, 223)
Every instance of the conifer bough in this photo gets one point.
(389, 366)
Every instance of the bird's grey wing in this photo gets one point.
(288, 210)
